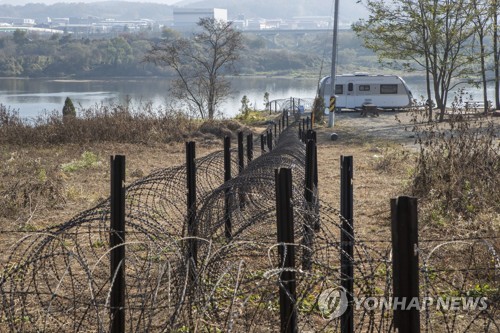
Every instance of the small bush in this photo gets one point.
(68, 109)
(457, 171)
(97, 124)
(87, 160)
(28, 186)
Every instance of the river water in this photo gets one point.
(32, 97)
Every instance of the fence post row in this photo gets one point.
(404, 230)
(347, 241)
(286, 251)
(191, 201)
(117, 241)
(227, 177)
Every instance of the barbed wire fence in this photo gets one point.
(212, 257)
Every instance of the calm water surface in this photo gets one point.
(32, 97)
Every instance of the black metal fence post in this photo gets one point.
(270, 140)
(404, 229)
(241, 153)
(117, 241)
(191, 201)
(227, 177)
(347, 241)
(309, 223)
(249, 148)
(241, 167)
(286, 251)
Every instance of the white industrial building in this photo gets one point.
(186, 18)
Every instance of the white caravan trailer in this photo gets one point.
(353, 90)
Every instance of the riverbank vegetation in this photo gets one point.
(61, 55)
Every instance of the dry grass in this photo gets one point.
(63, 179)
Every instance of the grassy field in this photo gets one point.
(54, 170)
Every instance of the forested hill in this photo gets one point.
(106, 9)
(350, 11)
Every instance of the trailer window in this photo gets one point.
(364, 87)
(339, 89)
(388, 88)
(350, 87)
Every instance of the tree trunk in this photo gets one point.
(483, 73)
(496, 54)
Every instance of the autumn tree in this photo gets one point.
(201, 64)
(429, 35)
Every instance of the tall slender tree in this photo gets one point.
(200, 64)
(494, 12)
(481, 18)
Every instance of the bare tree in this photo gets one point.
(480, 18)
(494, 12)
(201, 64)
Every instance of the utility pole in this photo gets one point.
(331, 114)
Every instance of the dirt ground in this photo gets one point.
(383, 149)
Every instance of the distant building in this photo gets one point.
(24, 22)
(186, 18)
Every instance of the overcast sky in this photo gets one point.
(50, 2)
(350, 4)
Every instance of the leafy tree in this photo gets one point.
(266, 100)
(245, 105)
(68, 109)
(170, 34)
(432, 35)
(20, 36)
(200, 64)
(318, 109)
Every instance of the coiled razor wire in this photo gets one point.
(59, 280)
